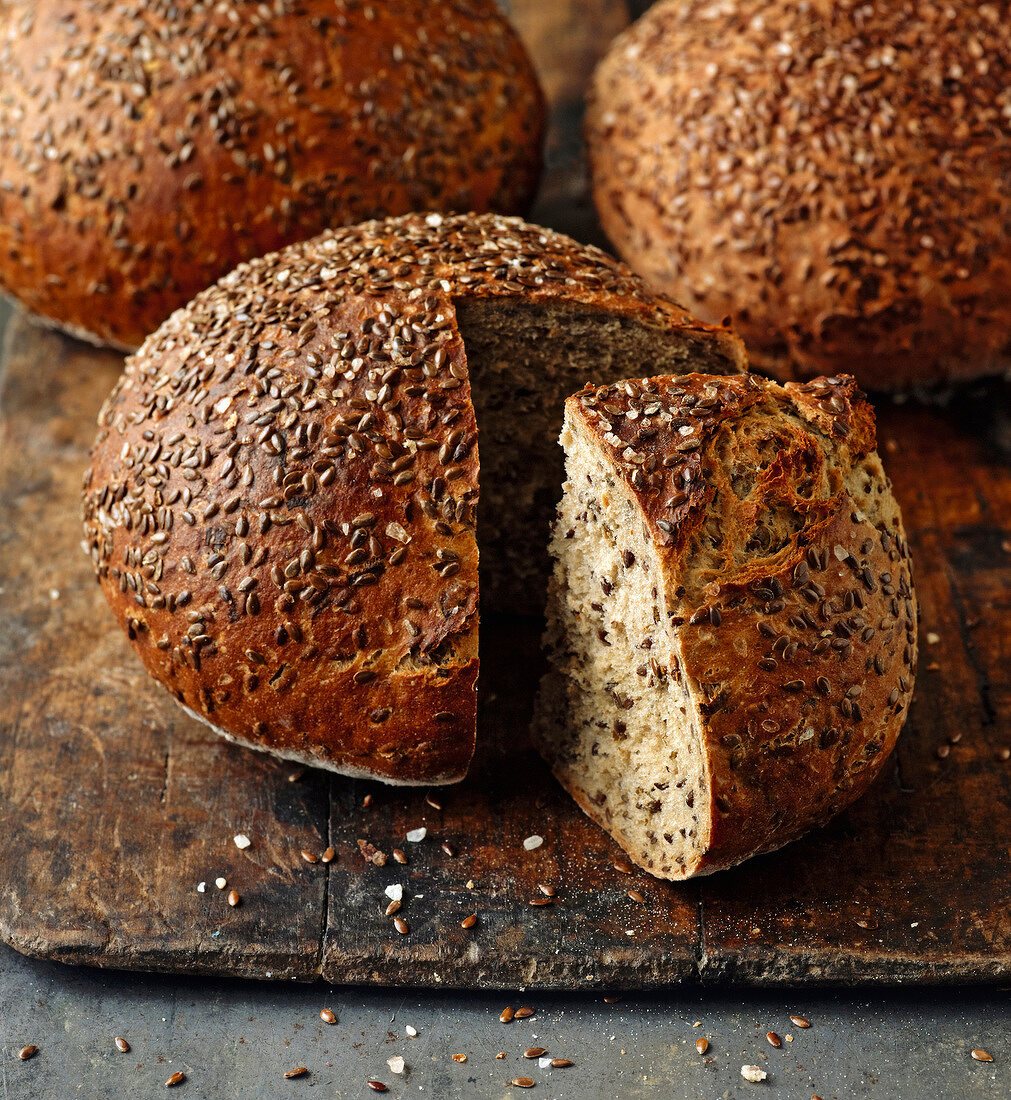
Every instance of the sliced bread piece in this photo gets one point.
(731, 620)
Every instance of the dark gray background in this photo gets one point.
(238, 1038)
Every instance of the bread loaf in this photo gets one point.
(282, 497)
(147, 148)
(833, 175)
(731, 620)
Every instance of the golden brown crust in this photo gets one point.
(798, 646)
(148, 148)
(280, 505)
(833, 176)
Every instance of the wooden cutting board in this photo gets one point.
(114, 805)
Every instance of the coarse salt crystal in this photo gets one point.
(411, 1031)
(201, 887)
(221, 883)
(241, 841)
(395, 892)
(544, 1062)
(416, 835)
(753, 1073)
(396, 1064)
(533, 842)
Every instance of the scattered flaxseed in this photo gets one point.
(366, 802)
(943, 751)
(459, 1057)
(533, 842)
(523, 1013)
(469, 922)
(401, 925)
(308, 856)
(448, 848)
(328, 1016)
(298, 1071)
(242, 842)
(233, 898)
(398, 856)
(636, 896)
(501, 1054)
(506, 1014)
(121, 1044)
(701, 1045)
(431, 801)
(396, 1064)
(177, 1078)
(612, 998)
(522, 1082)
(28, 1052)
(982, 1055)
(295, 776)
(541, 901)
(534, 1052)
(799, 1021)
(1004, 753)
(377, 1086)
(774, 1039)
(753, 1073)
(393, 907)
(546, 890)
(328, 855)
(623, 866)
(562, 1063)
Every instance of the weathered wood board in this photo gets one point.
(114, 804)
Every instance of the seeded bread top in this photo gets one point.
(149, 147)
(834, 174)
(288, 467)
(787, 577)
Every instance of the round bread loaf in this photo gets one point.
(147, 148)
(731, 620)
(281, 501)
(835, 175)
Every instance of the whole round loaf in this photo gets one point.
(834, 175)
(147, 148)
(732, 627)
(281, 501)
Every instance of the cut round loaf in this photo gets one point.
(731, 621)
(282, 498)
(834, 175)
(148, 148)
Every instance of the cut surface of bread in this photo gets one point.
(731, 623)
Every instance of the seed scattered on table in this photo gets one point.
(431, 801)
(799, 1021)
(448, 848)
(366, 802)
(298, 1071)
(546, 890)
(295, 776)
(612, 998)
(701, 1045)
(233, 898)
(377, 1086)
(523, 1013)
(534, 1052)
(393, 907)
(753, 1073)
(506, 1014)
(459, 1057)
(399, 856)
(401, 925)
(28, 1052)
(501, 1054)
(982, 1055)
(774, 1039)
(562, 1063)
(177, 1078)
(541, 901)
(328, 855)
(636, 896)
(309, 857)
(121, 1044)
(327, 1016)
(522, 1082)
(623, 866)
(469, 922)
(1004, 753)
(943, 751)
